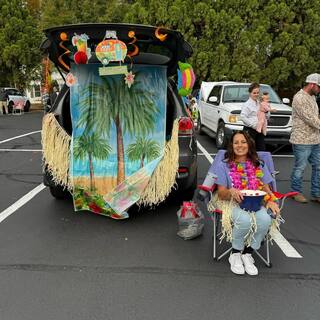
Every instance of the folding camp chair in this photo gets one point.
(206, 191)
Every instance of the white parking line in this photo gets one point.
(279, 239)
(17, 137)
(22, 201)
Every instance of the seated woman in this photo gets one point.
(240, 170)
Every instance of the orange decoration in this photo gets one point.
(131, 34)
(63, 36)
(160, 36)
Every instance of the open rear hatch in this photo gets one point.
(145, 44)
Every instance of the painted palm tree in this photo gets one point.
(143, 149)
(132, 110)
(91, 147)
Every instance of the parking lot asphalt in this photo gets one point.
(58, 264)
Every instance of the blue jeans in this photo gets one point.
(304, 153)
(242, 225)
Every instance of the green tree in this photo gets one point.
(20, 39)
(91, 146)
(61, 12)
(143, 149)
(271, 41)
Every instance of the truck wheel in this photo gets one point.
(59, 192)
(199, 127)
(221, 138)
(10, 107)
(27, 107)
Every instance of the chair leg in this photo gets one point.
(266, 259)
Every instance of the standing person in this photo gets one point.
(305, 138)
(249, 116)
(3, 102)
(53, 95)
(242, 170)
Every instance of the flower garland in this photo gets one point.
(246, 176)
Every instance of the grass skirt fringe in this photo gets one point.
(226, 206)
(56, 150)
(56, 159)
(164, 176)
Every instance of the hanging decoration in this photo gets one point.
(63, 37)
(84, 53)
(110, 50)
(71, 80)
(186, 79)
(129, 79)
(159, 35)
(135, 51)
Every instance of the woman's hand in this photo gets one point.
(273, 206)
(236, 194)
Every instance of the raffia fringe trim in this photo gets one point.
(56, 150)
(227, 225)
(164, 176)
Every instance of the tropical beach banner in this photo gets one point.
(118, 135)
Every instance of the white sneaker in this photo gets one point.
(248, 263)
(236, 264)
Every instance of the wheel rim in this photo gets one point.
(220, 137)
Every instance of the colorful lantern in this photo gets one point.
(186, 79)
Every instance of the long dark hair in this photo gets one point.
(252, 153)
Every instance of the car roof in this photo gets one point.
(152, 50)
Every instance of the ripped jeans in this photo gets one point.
(242, 224)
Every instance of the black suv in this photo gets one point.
(152, 51)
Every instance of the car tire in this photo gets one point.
(59, 192)
(27, 107)
(199, 127)
(10, 107)
(221, 137)
(187, 194)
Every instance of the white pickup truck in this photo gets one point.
(13, 96)
(220, 106)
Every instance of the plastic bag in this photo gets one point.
(190, 221)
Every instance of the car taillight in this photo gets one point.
(185, 126)
(182, 170)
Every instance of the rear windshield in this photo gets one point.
(13, 92)
(241, 93)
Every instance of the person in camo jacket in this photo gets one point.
(305, 138)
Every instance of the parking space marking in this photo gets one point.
(285, 246)
(17, 137)
(21, 150)
(22, 201)
(279, 239)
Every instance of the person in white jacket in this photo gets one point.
(249, 116)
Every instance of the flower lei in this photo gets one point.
(246, 177)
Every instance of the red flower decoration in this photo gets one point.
(93, 207)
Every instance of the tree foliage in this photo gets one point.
(271, 41)
(20, 38)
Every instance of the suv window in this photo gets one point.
(215, 92)
(241, 94)
(14, 92)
